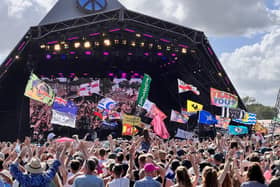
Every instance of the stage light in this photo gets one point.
(48, 56)
(106, 53)
(66, 46)
(168, 48)
(42, 46)
(133, 44)
(146, 54)
(77, 44)
(142, 44)
(124, 42)
(160, 54)
(173, 54)
(16, 57)
(97, 44)
(88, 52)
(116, 41)
(87, 44)
(130, 54)
(184, 50)
(151, 45)
(193, 51)
(72, 52)
(111, 74)
(138, 35)
(57, 47)
(159, 47)
(107, 42)
(220, 74)
(124, 75)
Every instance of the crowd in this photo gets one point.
(144, 161)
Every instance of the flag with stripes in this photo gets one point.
(184, 87)
(249, 119)
(233, 113)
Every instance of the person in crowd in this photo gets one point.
(255, 177)
(118, 181)
(149, 171)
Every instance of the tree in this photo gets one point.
(263, 112)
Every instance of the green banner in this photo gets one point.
(144, 90)
(276, 119)
(38, 90)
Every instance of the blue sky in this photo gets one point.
(245, 34)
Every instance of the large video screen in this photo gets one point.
(86, 94)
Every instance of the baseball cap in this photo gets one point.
(149, 167)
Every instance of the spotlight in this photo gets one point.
(43, 46)
(88, 52)
(116, 41)
(106, 53)
(17, 57)
(142, 44)
(138, 35)
(220, 74)
(87, 44)
(77, 44)
(107, 42)
(57, 47)
(66, 46)
(97, 44)
(184, 50)
(48, 56)
(168, 48)
(133, 44)
(159, 47)
(151, 45)
(124, 42)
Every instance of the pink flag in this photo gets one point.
(159, 127)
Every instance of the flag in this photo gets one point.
(85, 89)
(233, 113)
(159, 127)
(184, 134)
(38, 90)
(129, 130)
(223, 99)
(132, 120)
(106, 104)
(64, 114)
(193, 106)
(249, 119)
(155, 111)
(60, 100)
(237, 130)
(99, 115)
(144, 90)
(222, 122)
(109, 125)
(259, 128)
(95, 87)
(148, 105)
(178, 117)
(63, 119)
(206, 118)
(114, 115)
(184, 87)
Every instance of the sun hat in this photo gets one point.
(35, 166)
(149, 167)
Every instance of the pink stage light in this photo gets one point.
(111, 74)
(73, 38)
(124, 75)
(94, 34)
(72, 52)
(210, 51)
(173, 54)
(130, 54)
(106, 53)
(164, 40)
(52, 42)
(148, 35)
(54, 53)
(48, 56)
(88, 52)
(85, 74)
(129, 30)
(146, 54)
(136, 74)
(21, 46)
(9, 62)
(160, 54)
(184, 46)
(114, 30)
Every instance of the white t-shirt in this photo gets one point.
(120, 182)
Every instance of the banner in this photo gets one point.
(129, 130)
(233, 113)
(63, 119)
(148, 105)
(184, 87)
(184, 134)
(259, 128)
(106, 104)
(95, 87)
(193, 106)
(249, 119)
(223, 99)
(38, 90)
(206, 118)
(237, 130)
(132, 120)
(69, 107)
(178, 117)
(144, 90)
(222, 122)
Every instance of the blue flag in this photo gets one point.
(237, 130)
(68, 107)
(206, 118)
(249, 119)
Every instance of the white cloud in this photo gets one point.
(215, 17)
(255, 69)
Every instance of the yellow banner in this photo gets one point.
(132, 120)
(193, 106)
(128, 130)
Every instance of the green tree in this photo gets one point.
(263, 112)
